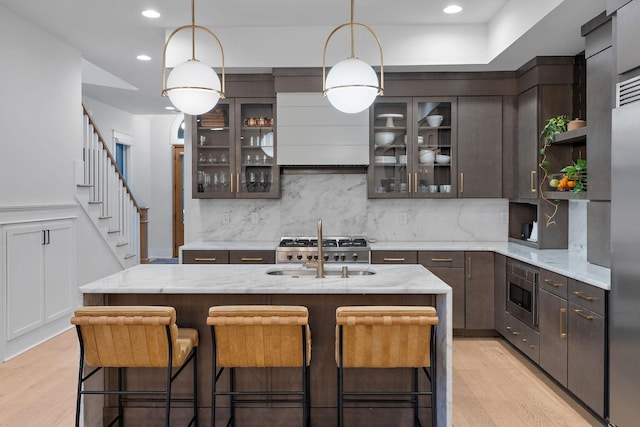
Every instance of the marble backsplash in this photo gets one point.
(340, 200)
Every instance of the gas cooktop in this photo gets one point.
(335, 249)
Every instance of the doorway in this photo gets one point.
(177, 159)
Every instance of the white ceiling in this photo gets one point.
(258, 35)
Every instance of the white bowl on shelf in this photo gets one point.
(384, 138)
(435, 120)
(420, 140)
(427, 156)
(402, 159)
(443, 159)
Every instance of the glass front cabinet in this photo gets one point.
(234, 151)
(413, 146)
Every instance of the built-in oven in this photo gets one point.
(522, 293)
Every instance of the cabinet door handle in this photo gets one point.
(205, 259)
(409, 182)
(441, 259)
(462, 182)
(563, 318)
(231, 176)
(533, 181)
(237, 183)
(469, 267)
(581, 314)
(415, 182)
(394, 260)
(48, 237)
(552, 283)
(44, 237)
(258, 259)
(583, 296)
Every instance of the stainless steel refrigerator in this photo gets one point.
(624, 307)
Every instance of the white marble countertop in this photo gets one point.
(231, 246)
(241, 279)
(561, 261)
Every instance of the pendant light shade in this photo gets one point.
(352, 85)
(193, 86)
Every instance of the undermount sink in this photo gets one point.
(312, 272)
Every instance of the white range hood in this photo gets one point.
(310, 132)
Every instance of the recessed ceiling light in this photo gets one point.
(454, 8)
(149, 13)
(144, 57)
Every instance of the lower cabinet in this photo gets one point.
(524, 338)
(205, 256)
(470, 275)
(38, 283)
(572, 326)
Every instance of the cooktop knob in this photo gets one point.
(299, 256)
(354, 256)
(336, 257)
(343, 257)
(289, 257)
(326, 257)
(309, 257)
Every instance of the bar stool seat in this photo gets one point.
(260, 336)
(386, 337)
(135, 337)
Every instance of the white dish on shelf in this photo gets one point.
(267, 144)
(385, 159)
(384, 138)
(420, 140)
(443, 159)
(390, 117)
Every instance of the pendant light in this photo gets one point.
(352, 85)
(193, 86)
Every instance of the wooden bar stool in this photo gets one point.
(386, 337)
(135, 337)
(260, 336)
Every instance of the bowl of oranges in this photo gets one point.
(560, 182)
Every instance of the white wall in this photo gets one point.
(40, 115)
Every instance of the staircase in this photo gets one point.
(106, 198)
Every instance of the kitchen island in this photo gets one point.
(192, 289)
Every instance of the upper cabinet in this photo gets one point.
(413, 148)
(234, 149)
(480, 128)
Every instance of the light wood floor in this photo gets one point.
(493, 385)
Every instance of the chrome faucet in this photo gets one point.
(319, 263)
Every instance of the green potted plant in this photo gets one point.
(554, 126)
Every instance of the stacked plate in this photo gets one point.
(385, 159)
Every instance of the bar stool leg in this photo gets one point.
(340, 381)
(232, 388)
(416, 411)
(120, 408)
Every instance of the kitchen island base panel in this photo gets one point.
(192, 311)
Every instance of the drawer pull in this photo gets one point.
(441, 259)
(524, 340)
(552, 283)
(533, 181)
(583, 296)
(508, 328)
(394, 260)
(205, 259)
(515, 333)
(581, 314)
(252, 259)
(468, 267)
(563, 315)
(531, 346)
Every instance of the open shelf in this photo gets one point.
(571, 137)
(566, 195)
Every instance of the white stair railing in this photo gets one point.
(109, 189)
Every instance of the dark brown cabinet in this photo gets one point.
(413, 148)
(553, 335)
(206, 256)
(449, 267)
(234, 151)
(394, 257)
(572, 337)
(480, 146)
(479, 283)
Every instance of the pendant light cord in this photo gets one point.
(193, 30)
(353, 55)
